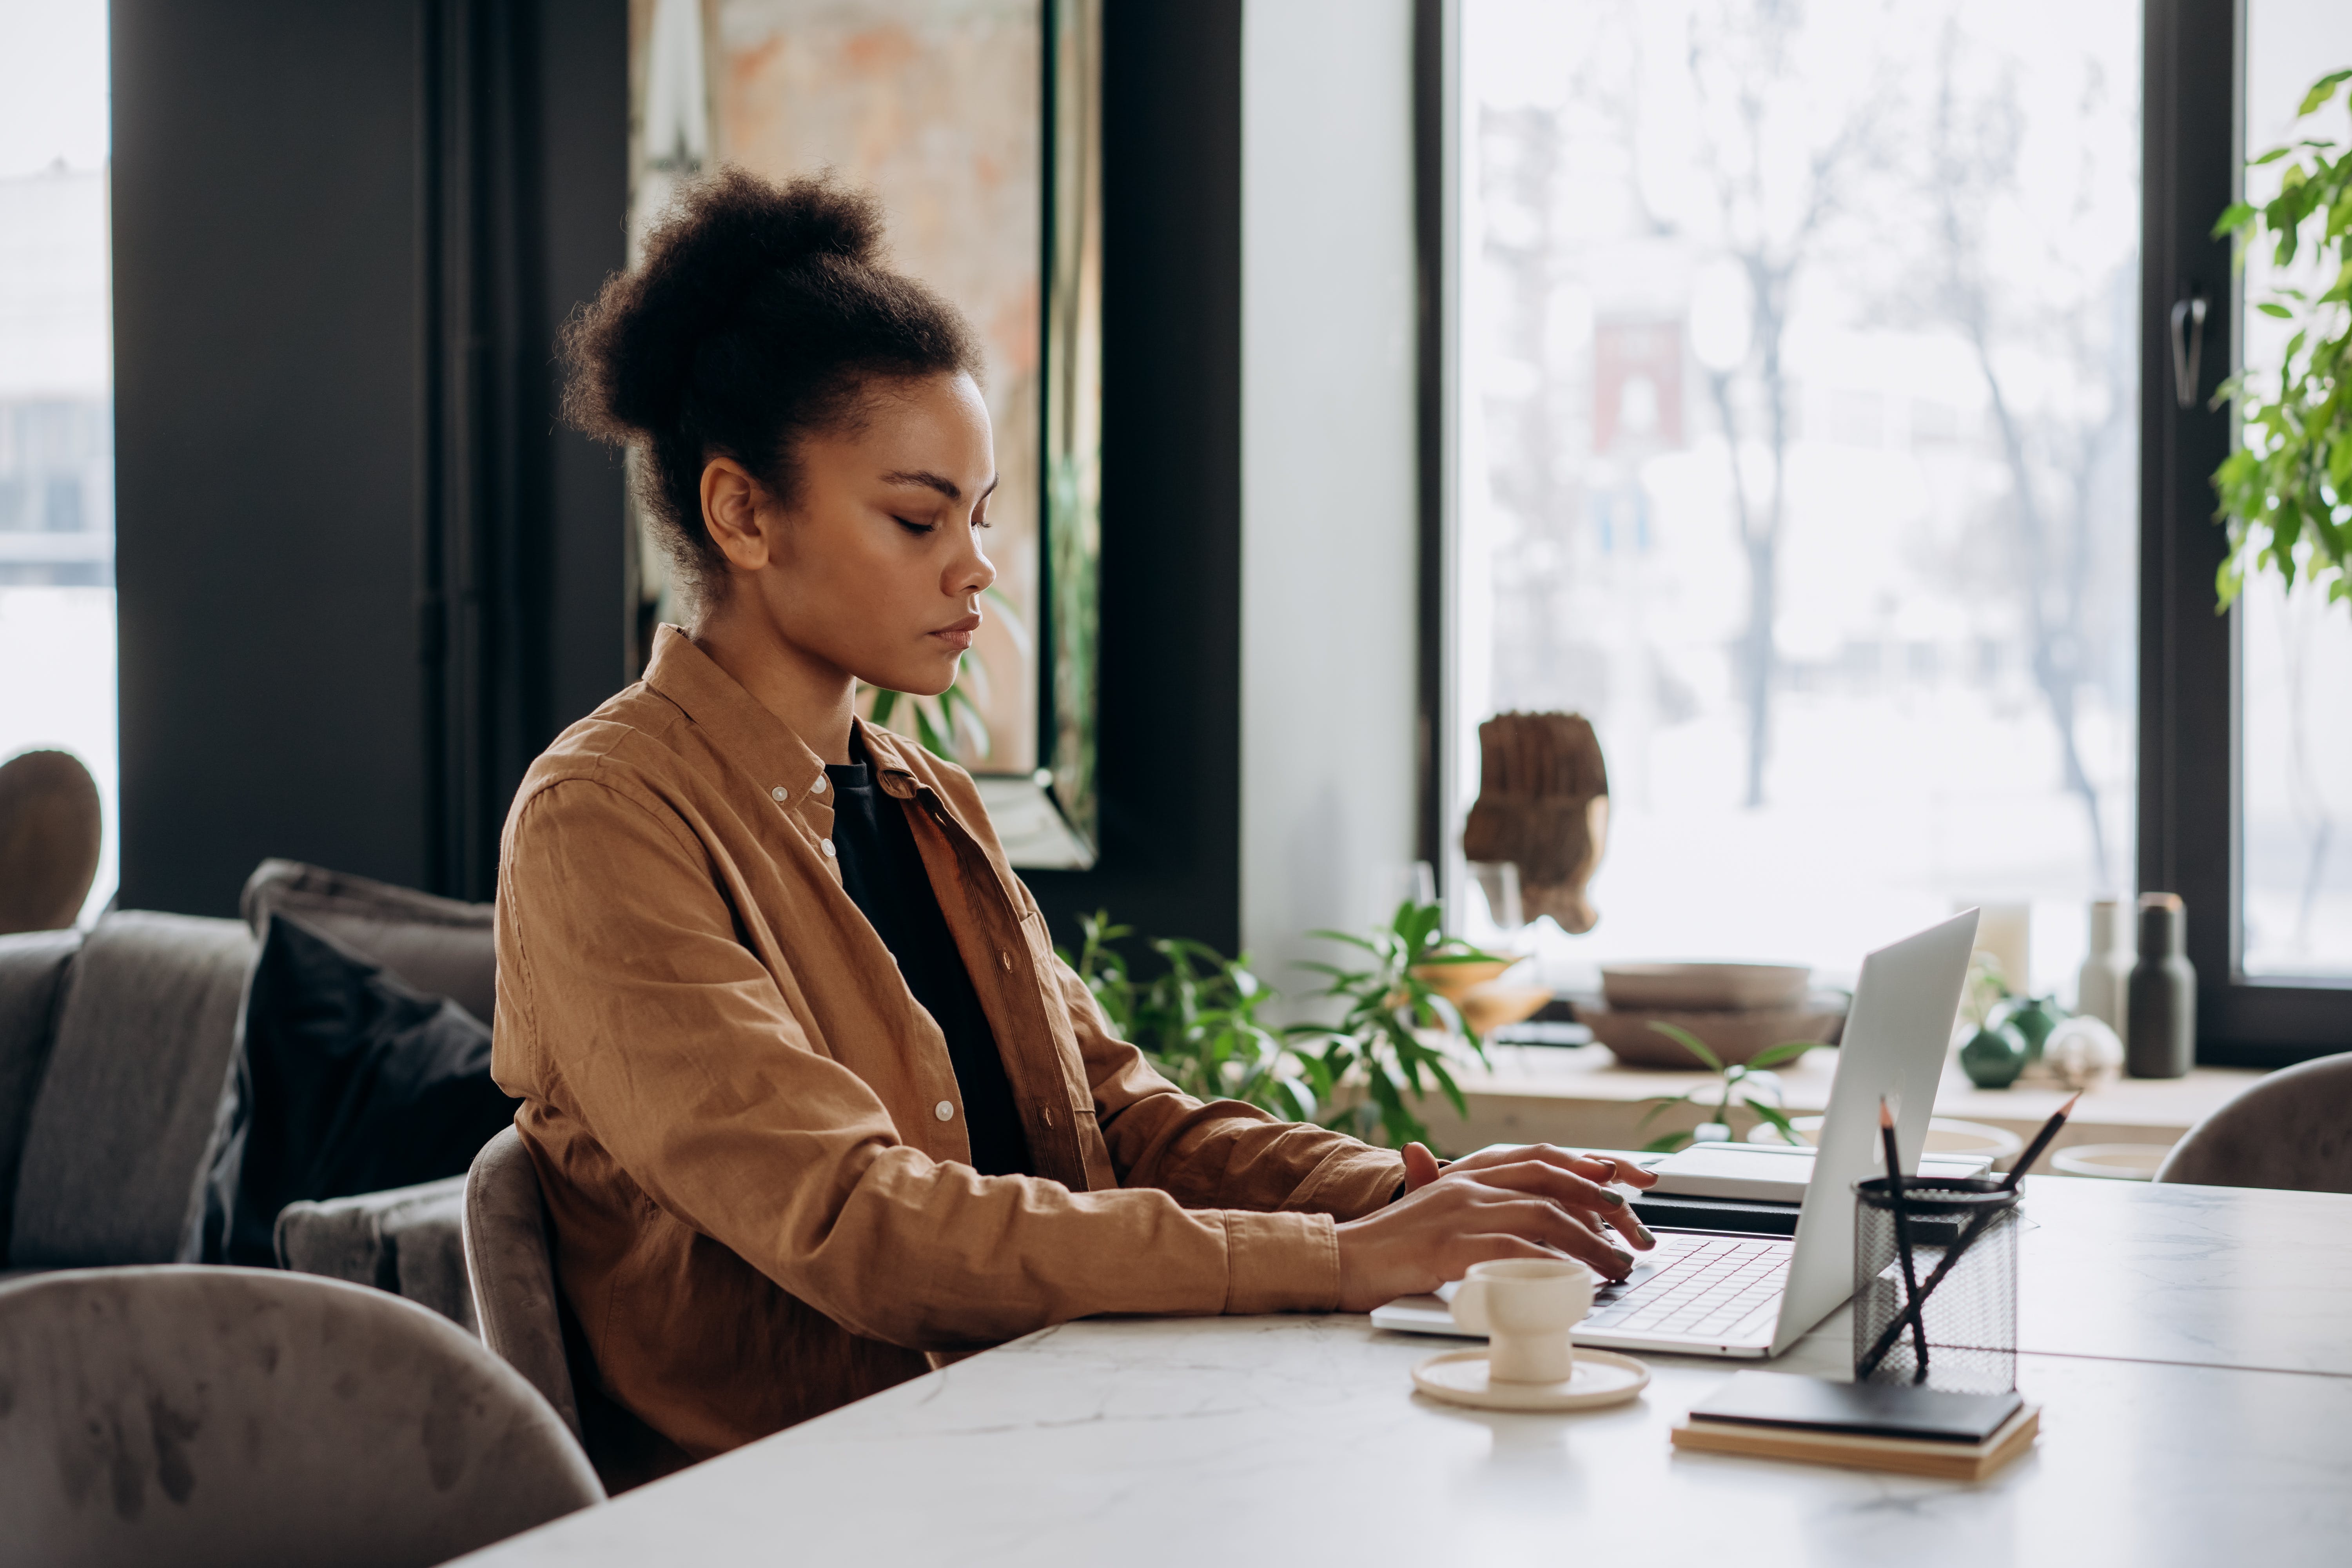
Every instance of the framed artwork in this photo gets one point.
(977, 122)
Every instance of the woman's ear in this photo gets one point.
(731, 511)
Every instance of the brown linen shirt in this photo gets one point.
(748, 1130)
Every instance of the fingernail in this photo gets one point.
(1641, 1230)
(1615, 1198)
(1624, 1258)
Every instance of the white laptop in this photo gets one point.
(1724, 1294)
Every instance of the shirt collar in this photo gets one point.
(886, 752)
(746, 734)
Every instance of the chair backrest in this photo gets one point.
(406, 1240)
(145, 1029)
(511, 1267)
(184, 1415)
(2292, 1129)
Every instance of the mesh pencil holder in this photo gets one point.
(1971, 1315)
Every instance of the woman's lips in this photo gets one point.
(959, 635)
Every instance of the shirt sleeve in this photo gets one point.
(639, 1011)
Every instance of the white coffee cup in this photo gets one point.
(1526, 1307)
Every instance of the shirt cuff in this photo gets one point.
(1351, 1182)
(1281, 1262)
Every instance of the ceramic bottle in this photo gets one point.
(2161, 1005)
(2106, 975)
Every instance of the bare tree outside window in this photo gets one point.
(1798, 453)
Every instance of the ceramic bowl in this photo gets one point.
(2116, 1162)
(1488, 1009)
(1693, 987)
(1734, 1036)
(1455, 980)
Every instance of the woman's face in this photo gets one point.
(875, 569)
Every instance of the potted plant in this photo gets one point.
(1398, 1030)
(2286, 491)
(1197, 1020)
(1745, 1082)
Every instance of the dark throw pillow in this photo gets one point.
(346, 1081)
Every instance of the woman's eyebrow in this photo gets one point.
(932, 481)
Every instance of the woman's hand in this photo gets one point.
(1532, 1202)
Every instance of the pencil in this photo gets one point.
(2034, 1151)
(1903, 1241)
(2041, 1141)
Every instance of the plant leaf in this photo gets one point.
(1787, 1051)
(1689, 1042)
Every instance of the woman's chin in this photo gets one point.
(920, 681)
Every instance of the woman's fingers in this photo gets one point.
(1478, 1209)
(1599, 1168)
(1573, 1192)
(1421, 1167)
(1467, 1252)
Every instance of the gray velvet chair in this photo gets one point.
(2292, 1129)
(186, 1416)
(519, 1311)
(511, 1268)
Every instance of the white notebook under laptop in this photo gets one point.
(1716, 1293)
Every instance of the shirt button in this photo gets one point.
(818, 787)
(825, 844)
(780, 793)
(944, 1111)
(1005, 959)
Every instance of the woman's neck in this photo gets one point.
(815, 698)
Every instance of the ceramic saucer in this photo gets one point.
(1602, 1377)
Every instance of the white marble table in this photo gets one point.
(1208, 1442)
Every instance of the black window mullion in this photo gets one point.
(2189, 842)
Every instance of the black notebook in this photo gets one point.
(1865, 1409)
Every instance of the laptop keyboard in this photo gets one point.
(1707, 1289)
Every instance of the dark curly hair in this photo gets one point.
(760, 313)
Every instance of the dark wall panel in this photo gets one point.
(364, 578)
(584, 212)
(1170, 678)
(267, 412)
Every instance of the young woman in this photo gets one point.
(811, 1099)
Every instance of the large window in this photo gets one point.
(57, 445)
(1797, 396)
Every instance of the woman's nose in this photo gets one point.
(974, 572)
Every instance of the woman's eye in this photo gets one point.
(915, 527)
(980, 521)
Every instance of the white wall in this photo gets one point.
(1327, 469)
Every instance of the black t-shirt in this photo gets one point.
(883, 873)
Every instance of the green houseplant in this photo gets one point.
(1197, 1020)
(2286, 491)
(1395, 1035)
(1747, 1082)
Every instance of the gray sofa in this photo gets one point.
(115, 1046)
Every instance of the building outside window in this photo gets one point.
(57, 438)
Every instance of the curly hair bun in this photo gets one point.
(759, 312)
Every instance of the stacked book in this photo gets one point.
(1861, 1426)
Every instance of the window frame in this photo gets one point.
(2190, 734)
(2189, 728)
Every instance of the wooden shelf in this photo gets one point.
(1580, 1094)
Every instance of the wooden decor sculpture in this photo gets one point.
(1543, 802)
